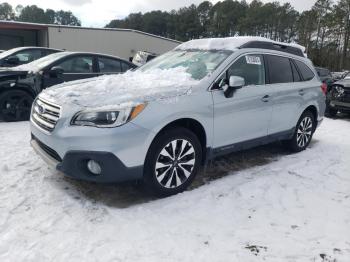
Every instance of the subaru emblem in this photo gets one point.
(41, 109)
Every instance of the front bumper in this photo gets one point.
(74, 164)
(340, 105)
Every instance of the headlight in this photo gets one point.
(338, 91)
(107, 118)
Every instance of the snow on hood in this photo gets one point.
(132, 87)
(343, 82)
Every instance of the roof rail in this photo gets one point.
(274, 46)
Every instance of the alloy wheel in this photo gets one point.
(175, 163)
(304, 132)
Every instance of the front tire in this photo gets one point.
(15, 106)
(304, 131)
(172, 162)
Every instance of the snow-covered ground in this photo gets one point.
(260, 205)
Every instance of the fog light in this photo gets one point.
(94, 167)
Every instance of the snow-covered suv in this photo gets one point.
(161, 122)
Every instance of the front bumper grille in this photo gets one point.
(45, 114)
(48, 150)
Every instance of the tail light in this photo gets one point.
(324, 88)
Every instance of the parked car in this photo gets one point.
(346, 75)
(338, 98)
(24, 55)
(325, 75)
(20, 85)
(142, 57)
(338, 76)
(162, 121)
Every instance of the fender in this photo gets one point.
(16, 86)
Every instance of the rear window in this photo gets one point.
(305, 71)
(280, 70)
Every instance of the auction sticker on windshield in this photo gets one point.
(253, 60)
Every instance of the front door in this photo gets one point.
(246, 115)
(74, 68)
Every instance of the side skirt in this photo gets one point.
(219, 151)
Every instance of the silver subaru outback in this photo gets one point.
(161, 122)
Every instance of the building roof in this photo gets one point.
(35, 26)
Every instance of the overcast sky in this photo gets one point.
(98, 13)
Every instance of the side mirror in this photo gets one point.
(235, 82)
(56, 71)
(12, 60)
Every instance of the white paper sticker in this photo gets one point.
(253, 60)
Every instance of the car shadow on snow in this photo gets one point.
(130, 194)
(341, 116)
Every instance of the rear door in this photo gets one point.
(110, 65)
(288, 91)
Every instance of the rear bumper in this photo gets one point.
(74, 164)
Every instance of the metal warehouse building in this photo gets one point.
(120, 42)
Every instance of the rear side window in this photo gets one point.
(48, 52)
(305, 71)
(296, 75)
(125, 67)
(108, 65)
(280, 70)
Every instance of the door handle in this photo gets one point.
(301, 92)
(265, 98)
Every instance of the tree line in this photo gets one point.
(35, 14)
(324, 29)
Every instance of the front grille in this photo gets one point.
(45, 114)
(47, 149)
(346, 97)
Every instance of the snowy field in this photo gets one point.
(260, 205)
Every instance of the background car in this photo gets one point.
(337, 75)
(325, 76)
(24, 55)
(20, 85)
(338, 98)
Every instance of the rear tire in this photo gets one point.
(15, 105)
(172, 162)
(304, 131)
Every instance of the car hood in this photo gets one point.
(343, 82)
(11, 73)
(132, 87)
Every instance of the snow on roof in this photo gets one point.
(229, 43)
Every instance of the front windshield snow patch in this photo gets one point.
(135, 87)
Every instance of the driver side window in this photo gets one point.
(78, 64)
(250, 67)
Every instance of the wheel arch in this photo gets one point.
(23, 88)
(191, 124)
(313, 109)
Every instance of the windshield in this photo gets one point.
(9, 52)
(198, 63)
(44, 61)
